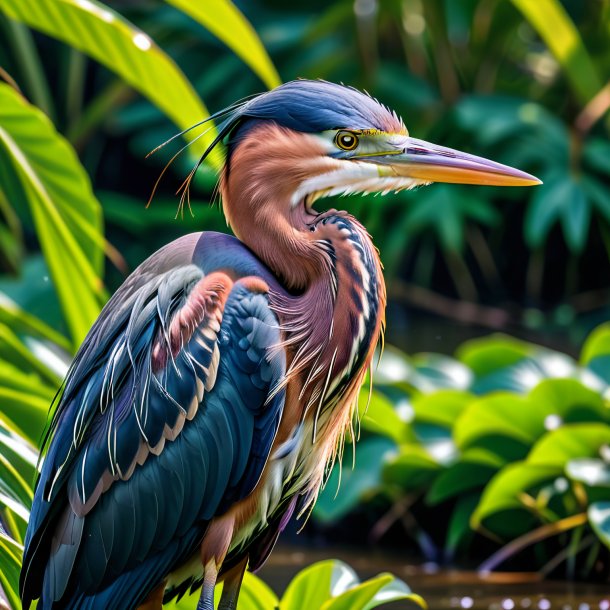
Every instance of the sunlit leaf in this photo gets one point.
(412, 469)
(493, 352)
(66, 214)
(377, 414)
(372, 593)
(504, 490)
(570, 441)
(10, 566)
(106, 36)
(441, 408)
(224, 20)
(550, 19)
(597, 344)
(499, 414)
(316, 584)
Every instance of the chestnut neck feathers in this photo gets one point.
(333, 314)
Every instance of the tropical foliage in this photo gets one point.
(328, 585)
(508, 441)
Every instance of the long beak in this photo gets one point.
(427, 162)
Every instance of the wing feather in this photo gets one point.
(163, 424)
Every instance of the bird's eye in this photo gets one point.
(346, 140)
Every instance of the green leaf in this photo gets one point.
(493, 352)
(597, 344)
(559, 199)
(103, 34)
(413, 469)
(461, 477)
(23, 322)
(553, 24)
(503, 491)
(570, 400)
(570, 441)
(596, 153)
(441, 408)
(501, 414)
(225, 21)
(599, 518)
(66, 214)
(11, 554)
(459, 524)
(316, 584)
(380, 416)
(372, 593)
(346, 486)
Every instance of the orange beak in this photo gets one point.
(427, 162)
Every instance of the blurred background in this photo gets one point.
(521, 82)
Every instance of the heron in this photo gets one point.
(209, 400)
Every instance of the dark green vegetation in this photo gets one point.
(503, 448)
(507, 440)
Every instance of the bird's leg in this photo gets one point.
(154, 601)
(213, 551)
(232, 585)
(206, 599)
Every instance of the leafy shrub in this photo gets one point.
(511, 439)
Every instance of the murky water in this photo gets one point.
(444, 589)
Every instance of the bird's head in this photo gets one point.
(309, 139)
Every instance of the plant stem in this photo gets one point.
(546, 531)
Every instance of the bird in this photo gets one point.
(208, 402)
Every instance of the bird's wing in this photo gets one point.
(167, 418)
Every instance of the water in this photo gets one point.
(446, 589)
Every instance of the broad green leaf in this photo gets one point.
(441, 408)
(597, 344)
(570, 401)
(553, 24)
(501, 414)
(22, 454)
(459, 478)
(106, 36)
(13, 350)
(559, 199)
(224, 20)
(11, 554)
(413, 469)
(570, 441)
(377, 414)
(493, 352)
(503, 491)
(66, 214)
(23, 322)
(346, 486)
(382, 589)
(318, 583)
(597, 152)
(599, 518)
(27, 412)
(436, 371)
